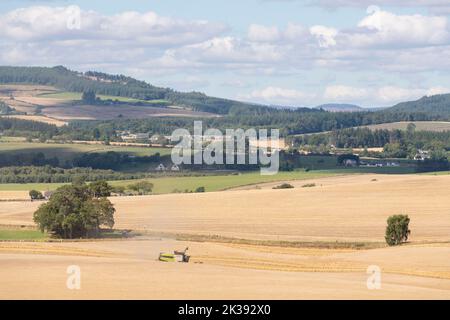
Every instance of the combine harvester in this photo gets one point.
(176, 256)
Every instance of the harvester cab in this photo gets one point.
(176, 256)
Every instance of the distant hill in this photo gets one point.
(116, 85)
(340, 107)
(437, 105)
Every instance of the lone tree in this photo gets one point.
(397, 230)
(142, 187)
(74, 211)
(89, 97)
(36, 195)
(200, 189)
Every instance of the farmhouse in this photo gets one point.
(127, 136)
(350, 163)
(160, 167)
(422, 155)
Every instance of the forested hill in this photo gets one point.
(115, 85)
(438, 105)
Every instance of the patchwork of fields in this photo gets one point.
(55, 106)
(67, 151)
(246, 239)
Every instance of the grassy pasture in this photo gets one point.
(20, 234)
(76, 96)
(211, 183)
(70, 150)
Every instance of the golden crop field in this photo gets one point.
(130, 270)
(342, 209)
(420, 126)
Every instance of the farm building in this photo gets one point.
(422, 155)
(350, 163)
(160, 167)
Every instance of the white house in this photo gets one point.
(350, 163)
(161, 167)
(422, 155)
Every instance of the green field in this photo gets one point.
(68, 151)
(76, 96)
(13, 234)
(211, 182)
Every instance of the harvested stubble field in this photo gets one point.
(130, 270)
(344, 209)
(438, 126)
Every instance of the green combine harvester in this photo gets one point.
(176, 256)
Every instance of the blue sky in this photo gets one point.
(290, 52)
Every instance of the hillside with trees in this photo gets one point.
(233, 114)
(437, 105)
(113, 85)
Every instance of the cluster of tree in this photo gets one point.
(234, 114)
(114, 160)
(7, 110)
(427, 108)
(48, 174)
(396, 143)
(113, 85)
(27, 159)
(397, 230)
(435, 106)
(24, 128)
(289, 122)
(36, 195)
(90, 98)
(141, 187)
(76, 211)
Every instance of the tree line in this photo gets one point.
(396, 143)
(116, 85)
(48, 174)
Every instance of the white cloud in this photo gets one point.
(380, 96)
(259, 33)
(277, 95)
(293, 33)
(370, 97)
(431, 4)
(229, 51)
(341, 93)
(399, 30)
(38, 23)
(393, 94)
(324, 35)
(437, 90)
(147, 45)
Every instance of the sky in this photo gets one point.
(278, 52)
